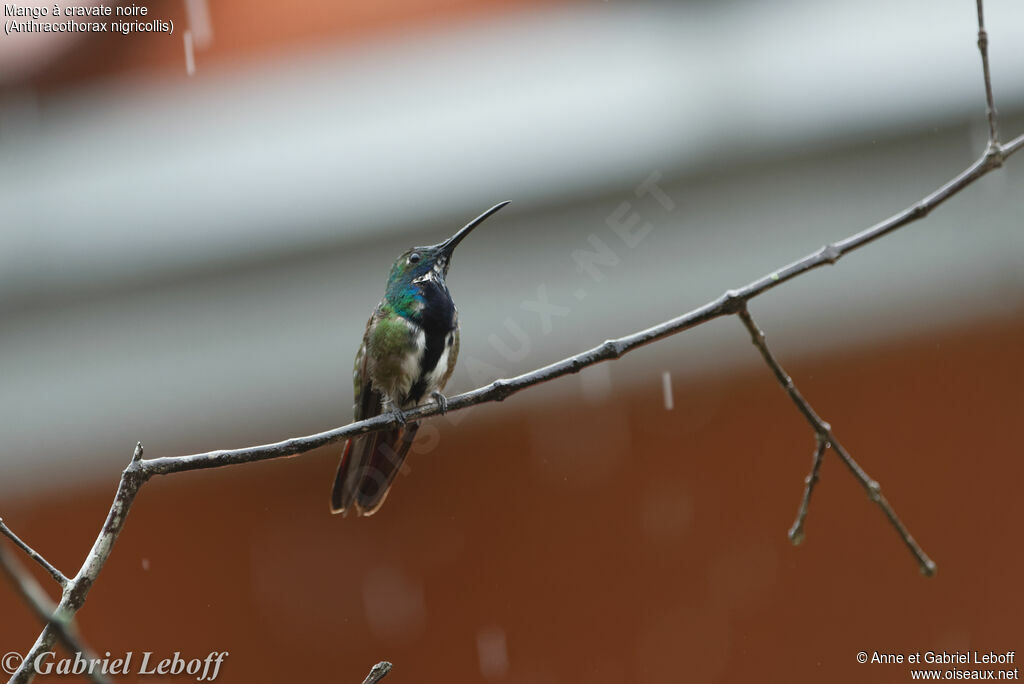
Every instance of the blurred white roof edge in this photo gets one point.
(308, 151)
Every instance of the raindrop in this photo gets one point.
(199, 24)
(492, 651)
(190, 57)
(394, 604)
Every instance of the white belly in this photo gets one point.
(436, 376)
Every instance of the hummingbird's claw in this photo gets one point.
(442, 401)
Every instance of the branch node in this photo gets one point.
(823, 432)
(139, 449)
(613, 347)
(733, 301)
(874, 490)
(500, 389)
(994, 155)
(135, 472)
(830, 253)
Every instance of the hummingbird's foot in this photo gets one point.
(442, 401)
(398, 415)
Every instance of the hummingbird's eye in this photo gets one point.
(414, 258)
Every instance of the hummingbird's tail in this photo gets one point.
(368, 468)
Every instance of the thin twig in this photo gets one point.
(796, 532)
(43, 563)
(378, 672)
(1012, 146)
(825, 437)
(993, 128)
(35, 597)
(874, 491)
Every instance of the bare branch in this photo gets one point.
(45, 564)
(78, 587)
(36, 599)
(378, 672)
(823, 432)
(993, 128)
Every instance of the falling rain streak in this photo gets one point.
(190, 57)
(199, 33)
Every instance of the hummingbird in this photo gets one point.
(407, 355)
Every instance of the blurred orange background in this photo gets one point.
(610, 543)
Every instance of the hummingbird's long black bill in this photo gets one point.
(448, 246)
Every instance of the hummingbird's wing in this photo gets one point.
(355, 453)
(369, 463)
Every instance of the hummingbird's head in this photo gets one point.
(418, 266)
